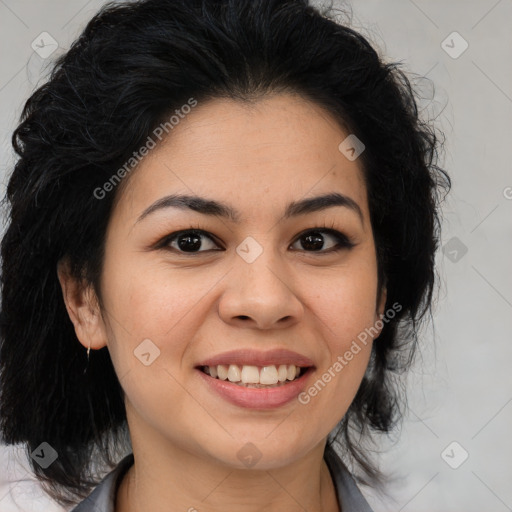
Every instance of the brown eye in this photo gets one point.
(190, 241)
(323, 240)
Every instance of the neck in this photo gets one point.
(176, 480)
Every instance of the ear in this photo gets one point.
(380, 309)
(83, 308)
(381, 302)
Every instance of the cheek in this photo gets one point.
(346, 303)
(345, 315)
(345, 309)
(347, 319)
(152, 312)
(153, 304)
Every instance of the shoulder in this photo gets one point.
(349, 495)
(102, 499)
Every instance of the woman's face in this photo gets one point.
(272, 276)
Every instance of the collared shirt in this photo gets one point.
(102, 499)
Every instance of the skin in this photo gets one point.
(257, 158)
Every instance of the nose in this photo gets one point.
(260, 295)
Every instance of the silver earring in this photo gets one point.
(88, 352)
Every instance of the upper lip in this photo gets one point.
(258, 358)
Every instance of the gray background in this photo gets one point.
(461, 385)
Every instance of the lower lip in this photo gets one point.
(257, 398)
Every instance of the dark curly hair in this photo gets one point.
(133, 65)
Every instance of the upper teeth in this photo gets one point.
(254, 374)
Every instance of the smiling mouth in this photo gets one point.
(250, 376)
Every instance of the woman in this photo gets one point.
(220, 242)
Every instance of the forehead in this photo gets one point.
(257, 155)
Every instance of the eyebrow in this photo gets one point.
(214, 208)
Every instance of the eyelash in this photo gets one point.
(343, 241)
